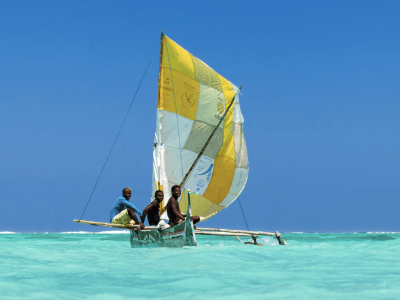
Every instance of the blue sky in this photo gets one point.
(320, 99)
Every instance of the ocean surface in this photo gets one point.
(104, 266)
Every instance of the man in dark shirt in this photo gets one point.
(153, 209)
(174, 214)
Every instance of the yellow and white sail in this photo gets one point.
(192, 99)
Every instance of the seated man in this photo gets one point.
(174, 214)
(152, 211)
(122, 212)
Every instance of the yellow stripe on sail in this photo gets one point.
(179, 58)
(221, 180)
(224, 168)
(162, 204)
(159, 186)
(228, 148)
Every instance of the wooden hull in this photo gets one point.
(177, 236)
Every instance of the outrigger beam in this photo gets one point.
(238, 231)
(229, 232)
(221, 233)
(121, 226)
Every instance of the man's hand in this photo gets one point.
(141, 225)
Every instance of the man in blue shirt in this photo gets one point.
(123, 212)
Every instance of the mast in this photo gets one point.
(158, 133)
(157, 145)
(208, 141)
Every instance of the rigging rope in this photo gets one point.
(243, 214)
(112, 147)
(176, 111)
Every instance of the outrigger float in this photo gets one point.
(199, 132)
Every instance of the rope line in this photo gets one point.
(243, 214)
(119, 131)
(176, 112)
(176, 109)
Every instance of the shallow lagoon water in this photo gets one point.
(104, 266)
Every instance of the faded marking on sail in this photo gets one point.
(194, 96)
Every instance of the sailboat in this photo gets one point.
(199, 145)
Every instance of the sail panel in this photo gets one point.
(177, 58)
(169, 129)
(213, 210)
(175, 160)
(195, 99)
(238, 183)
(221, 179)
(228, 148)
(241, 160)
(203, 172)
(198, 137)
(205, 74)
(178, 94)
(211, 105)
(202, 204)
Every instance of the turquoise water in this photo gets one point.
(104, 266)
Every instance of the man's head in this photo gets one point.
(159, 196)
(126, 193)
(176, 191)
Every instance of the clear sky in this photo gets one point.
(320, 99)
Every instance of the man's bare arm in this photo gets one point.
(145, 212)
(131, 213)
(177, 211)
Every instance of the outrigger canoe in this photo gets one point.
(199, 133)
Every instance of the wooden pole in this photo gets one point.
(220, 233)
(120, 226)
(238, 231)
(280, 240)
